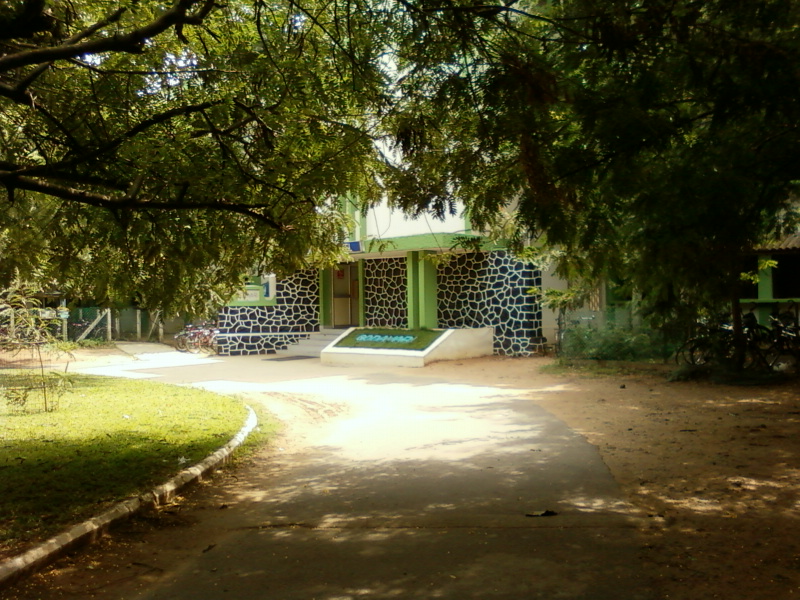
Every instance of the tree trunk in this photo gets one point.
(739, 341)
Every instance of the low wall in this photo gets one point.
(453, 344)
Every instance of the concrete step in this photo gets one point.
(311, 346)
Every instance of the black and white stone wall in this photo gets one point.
(490, 290)
(385, 290)
(474, 290)
(265, 329)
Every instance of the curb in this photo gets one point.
(14, 569)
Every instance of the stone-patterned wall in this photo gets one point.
(385, 290)
(489, 290)
(265, 329)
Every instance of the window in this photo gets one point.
(786, 276)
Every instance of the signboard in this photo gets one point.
(251, 293)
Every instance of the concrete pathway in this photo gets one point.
(406, 487)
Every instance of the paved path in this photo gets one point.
(402, 486)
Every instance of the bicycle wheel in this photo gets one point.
(193, 344)
(212, 346)
(701, 353)
(180, 341)
(683, 355)
(695, 352)
(756, 358)
(782, 359)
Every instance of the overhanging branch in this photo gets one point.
(132, 41)
(127, 203)
(120, 139)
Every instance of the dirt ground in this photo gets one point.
(715, 469)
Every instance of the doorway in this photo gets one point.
(345, 295)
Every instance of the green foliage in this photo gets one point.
(159, 153)
(651, 143)
(33, 390)
(109, 440)
(21, 324)
(565, 300)
(613, 343)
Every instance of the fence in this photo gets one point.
(92, 323)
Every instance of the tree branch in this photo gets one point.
(130, 42)
(14, 181)
(111, 145)
(23, 85)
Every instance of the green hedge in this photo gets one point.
(614, 343)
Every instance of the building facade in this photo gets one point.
(403, 273)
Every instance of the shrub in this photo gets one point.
(614, 343)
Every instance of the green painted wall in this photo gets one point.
(422, 300)
(326, 298)
(361, 316)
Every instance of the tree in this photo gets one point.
(653, 141)
(157, 155)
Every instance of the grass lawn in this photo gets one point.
(108, 440)
(396, 339)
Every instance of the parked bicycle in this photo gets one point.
(783, 355)
(774, 348)
(197, 338)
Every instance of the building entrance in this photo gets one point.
(345, 295)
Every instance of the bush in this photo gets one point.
(614, 343)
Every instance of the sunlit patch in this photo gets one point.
(757, 401)
(700, 505)
(752, 484)
(562, 387)
(595, 504)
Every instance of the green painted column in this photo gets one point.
(412, 292)
(422, 291)
(362, 319)
(325, 298)
(765, 293)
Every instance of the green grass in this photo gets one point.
(422, 339)
(108, 440)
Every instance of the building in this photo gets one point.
(402, 273)
(778, 287)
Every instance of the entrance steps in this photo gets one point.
(313, 345)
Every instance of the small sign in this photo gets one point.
(394, 339)
(250, 294)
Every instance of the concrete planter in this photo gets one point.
(453, 344)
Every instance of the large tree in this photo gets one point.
(654, 141)
(158, 154)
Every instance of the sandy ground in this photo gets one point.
(714, 467)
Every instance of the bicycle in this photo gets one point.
(783, 354)
(716, 344)
(197, 338)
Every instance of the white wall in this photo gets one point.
(385, 222)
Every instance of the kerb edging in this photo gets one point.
(14, 569)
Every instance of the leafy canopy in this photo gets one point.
(158, 153)
(653, 141)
